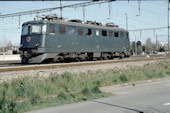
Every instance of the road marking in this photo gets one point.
(166, 104)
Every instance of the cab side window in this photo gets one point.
(62, 29)
(127, 35)
(71, 30)
(117, 34)
(52, 29)
(121, 34)
(89, 32)
(110, 34)
(97, 32)
(104, 33)
(80, 31)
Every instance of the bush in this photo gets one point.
(149, 75)
(67, 76)
(166, 67)
(123, 78)
(8, 106)
(62, 96)
(160, 74)
(85, 91)
(35, 99)
(115, 79)
(96, 90)
(168, 73)
(21, 91)
(98, 83)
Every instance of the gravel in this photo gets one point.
(45, 73)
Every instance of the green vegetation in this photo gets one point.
(34, 93)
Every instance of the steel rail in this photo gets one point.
(66, 65)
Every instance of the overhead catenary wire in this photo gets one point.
(67, 6)
(148, 29)
(50, 9)
(120, 17)
(143, 10)
(87, 9)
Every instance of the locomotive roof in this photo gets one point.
(76, 24)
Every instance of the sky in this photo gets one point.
(153, 14)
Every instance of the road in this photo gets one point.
(151, 97)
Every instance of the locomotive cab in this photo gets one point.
(31, 39)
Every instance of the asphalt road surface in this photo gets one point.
(146, 98)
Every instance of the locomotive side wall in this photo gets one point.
(74, 43)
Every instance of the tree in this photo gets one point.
(139, 47)
(154, 47)
(133, 46)
(139, 43)
(161, 49)
(143, 48)
(148, 46)
(7, 44)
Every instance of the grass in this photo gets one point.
(29, 93)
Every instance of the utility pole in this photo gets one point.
(4, 52)
(126, 21)
(168, 26)
(135, 46)
(156, 42)
(84, 13)
(61, 9)
(109, 7)
(153, 33)
(37, 16)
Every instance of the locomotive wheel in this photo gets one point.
(90, 57)
(78, 59)
(105, 58)
(111, 58)
(49, 60)
(122, 55)
(24, 60)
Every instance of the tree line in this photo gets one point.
(6, 45)
(147, 48)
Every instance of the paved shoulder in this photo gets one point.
(147, 98)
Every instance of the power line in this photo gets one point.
(116, 16)
(148, 29)
(67, 6)
(143, 10)
(51, 9)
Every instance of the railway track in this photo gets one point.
(19, 67)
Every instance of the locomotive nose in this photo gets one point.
(31, 41)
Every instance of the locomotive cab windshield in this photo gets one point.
(32, 34)
(30, 29)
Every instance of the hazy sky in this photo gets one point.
(153, 14)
